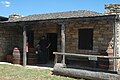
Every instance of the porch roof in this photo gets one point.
(59, 15)
(3, 18)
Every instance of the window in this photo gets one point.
(85, 39)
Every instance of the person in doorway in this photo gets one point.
(43, 54)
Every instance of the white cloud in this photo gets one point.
(6, 3)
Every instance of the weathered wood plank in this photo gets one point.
(63, 41)
(56, 59)
(83, 55)
(24, 46)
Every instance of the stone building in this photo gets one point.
(3, 18)
(86, 32)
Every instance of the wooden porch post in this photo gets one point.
(63, 42)
(24, 46)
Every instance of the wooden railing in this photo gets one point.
(90, 57)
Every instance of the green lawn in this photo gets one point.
(11, 72)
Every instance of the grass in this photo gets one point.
(11, 72)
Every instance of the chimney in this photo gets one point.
(14, 17)
(112, 9)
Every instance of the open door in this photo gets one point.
(52, 38)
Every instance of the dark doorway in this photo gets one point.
(31, 56)
(52, 38)
(30, 36)
(86, 39)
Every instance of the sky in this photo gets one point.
(29, 7)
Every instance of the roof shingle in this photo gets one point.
(59, 15)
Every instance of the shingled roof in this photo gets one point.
(3, 18)
(59, 15)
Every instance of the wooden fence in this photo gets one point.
(93, 58)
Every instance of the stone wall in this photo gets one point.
(112, 9)
(102, 35)
(10, 36)
(118, 44)
(43, 29)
